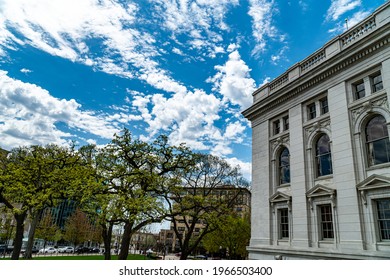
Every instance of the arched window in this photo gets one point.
(284, 166)
(323, 156)
(377, 141)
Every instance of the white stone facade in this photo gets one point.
(329, 198)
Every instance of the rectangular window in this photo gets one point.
(326, 221)
(383, 209)
(324, 106)
(377, 83)
(359, 90)
(286, 124)
(311, 111)
(276, 127)
(283, 223)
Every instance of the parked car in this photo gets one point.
(67, 249)
(82, 250)
(94, 250)
(48, 250)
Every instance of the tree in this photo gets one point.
(232, 235)
(77, 228)
(135, 175)
(199, 200)
(47, 229)
(34, 178)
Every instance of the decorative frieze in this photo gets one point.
(279, 141)
(368, 106)
(317, 126)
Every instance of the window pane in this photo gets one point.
(311, 111)
(276, 127)
(383, 209)
(326, 221)
(377, 83)
(285, 123)
(376, 128)
(359, 90)
(283, 223)
(284, 167)
(324, 106)
(378, 144)
(324, 156)
(324, 165)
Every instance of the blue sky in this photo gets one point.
(82, 70)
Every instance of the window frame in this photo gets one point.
(318, 157)
(326, 226)
(286, 123)
(283, 223)
(357, 93)
(282, 167)
(311, 111)
(375, 84)
(276, 127)
(324, 105)
(370, 143)
(378, 220)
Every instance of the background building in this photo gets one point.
(239, 198)
(321, 151)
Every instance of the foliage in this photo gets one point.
(232, 235)
(33, 178)
(128, 183)
(47, 229)
(197, 204)
(78, 228)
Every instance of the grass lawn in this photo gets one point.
(84, 257)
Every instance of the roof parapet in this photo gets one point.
(380, 17)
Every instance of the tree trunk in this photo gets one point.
(107, 234)
(31, 233)
(20, 218)
(125, 244)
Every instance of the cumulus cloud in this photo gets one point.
(246, 167)
(340, 7)
(233, 81)
(29, 115)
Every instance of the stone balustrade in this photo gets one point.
(333, 47)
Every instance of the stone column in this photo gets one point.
(344, 176)
(298, 179)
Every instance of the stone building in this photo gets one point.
(321, 151)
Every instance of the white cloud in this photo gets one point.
(355, 19)
(233, 81)
(29, 115)
(196, 19)
(63, 28)
(246, 167)
(25, 71)
(339, 7)
(262, 12)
